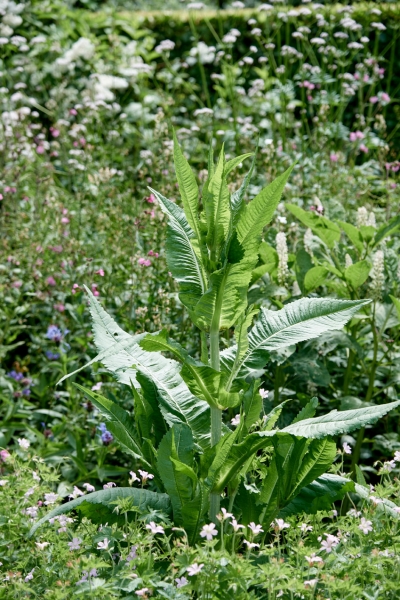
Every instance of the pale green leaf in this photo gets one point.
(315, 277)
(357, 273)
(354, 235)
(218, 212)
(325, 229)
(188, 188)
(230, 165)
(237, 198)
(396, 303)
(319, 458)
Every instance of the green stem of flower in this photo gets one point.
(216, 416)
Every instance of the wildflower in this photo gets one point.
(236, 420)
(165, 46)
(109, 485)
(280, 524)
(354, 513)
(256, 529)
(333, 157)
(4, 455)
(106, 436)
(89, 487)
(346, 448)
(77, 492)
(331, 542)
(396, 456)
(180, 582)
(310, 582)
(154, 528)
(103, 545)
(41, 545)
(54, 333)
(194, 569)
(74, 289)
(251, 545)
(363, 148)
(208, 531)
(371, 220)
(304, 527)
(236, 525)
(145, 262)
(51, 281)
(224, 515)
(313, 559)
(100, 272)
(132, 554)
(378, 26)
(389, 465)
(263, 393)
(142, 592)
(75, 544)
(97, 386)
(282, 250)
(29, 576)
(365, 525)
(145, 476)
(51, 498)
(3, 482)
(23, 443)
(374, 99)
(377, 274)
(52, 355)
(133, 477)
(29, 492)
(375, 501)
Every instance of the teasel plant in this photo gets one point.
(179, 428)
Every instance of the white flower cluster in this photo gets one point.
(205, 54)
(377, 274)
(83, 48)
(282, 250)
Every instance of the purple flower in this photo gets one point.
(15, 375)
(106, 436)
(26, 392)
(52, 355)
(54, 333)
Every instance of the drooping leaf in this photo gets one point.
(188, 188)
(119, 423)
(319, 458)
(315, 277)
(354, 235)
(183, 254)
(357, 273)
(325, 229)
(318, 495)
(194, 511)
(176, 444)
(259, 212)
(336, 422)
(230, 165)
(300, 320)
(143, 499)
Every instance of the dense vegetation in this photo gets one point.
(89, 104)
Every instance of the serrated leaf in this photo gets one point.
(188, 188)
(325, 229)
(318, 495)
(194, 511)
(336, 422)
(298, 321)
(357, 273)
(259, 212)
(384, 506)
(354, 235)
(230, 165)
(237, 198)
(387, 229)
(319, 458)
(315, 277)
(183, 254)
(307, 411)
(218, 211)
(143, 499)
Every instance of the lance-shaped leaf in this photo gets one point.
(357, 274)
(217, 208)
(119, 423)
(194, 511)
(387, 229)
(325, 229)
(298, 321)
(188, 188)
(142, 499)
(319, 495)
(307, 411)
(353, 234)
(230, 165)
(259, 212)
(237, 198)
(319, 458)
(177, 444)
(123, 356)
(183, 254)
(336, 422)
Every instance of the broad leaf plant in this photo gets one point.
(178, 430)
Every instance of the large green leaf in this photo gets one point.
(336, 422)
(383, 506)
(354, 235)
(143, 499)
(119, 423)
(237, 198)
(387, 229)
(396, 303)
(315, 277)
(188, 188)
(194, 511)
(123, 356)
(300, 320)
(357, 273)
(259, 212)
(177, 444)
(319, 458)
(318, 495)
(325, 229)
(218, 212)
(230, 165)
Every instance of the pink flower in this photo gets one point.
(152, 253)
(385, 97)
(4, 455)
(54, 132)
(331, 542)
(100, 272)
(82, 141)
(59, 307)
(51, 281)
(73, 112)
(64, 220)
(16, 284)
(365, 525)
(57, 249)
(374, 99)
(145, 262)
(154, 528)
(334, 157)
(95, 291)
(40, 149)
(75, 288)
(208, 531)
(363, 148)
(89, 487)
(151, 199)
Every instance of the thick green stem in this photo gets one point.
(216, 417)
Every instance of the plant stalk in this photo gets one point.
(216, 417)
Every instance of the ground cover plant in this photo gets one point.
(89, 103)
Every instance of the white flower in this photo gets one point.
(362, 216)
(35, 476)
(29, 576)
(133, 478)
(397, 456)
(41, 545)
(23, 443)
(97, 386)
(77, 492)
(205, 54)
(310, 582)
(145, 476)
(194, 569)
(236, 420)
(375, 501)
(51, 498)
(208, 531)
(282, 250)
(109, 485)
(236, 526)
(313, 559)
(31, 511)
(331, 542)
(256, 529)
(224, 515)
(379, 26)
(165, 46)
(142, 592)
(195, 5)
(377, 274)
(365, 525)
(280, 524)
(180, 582)
(263, 393)
(3, 482)
(154, 528)
(237, 4)
(346, 448)
(103, 545)
(229, 38)
(251, 545)
(203, 111)
(304, 527)
(89, 487)
(12, 21)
